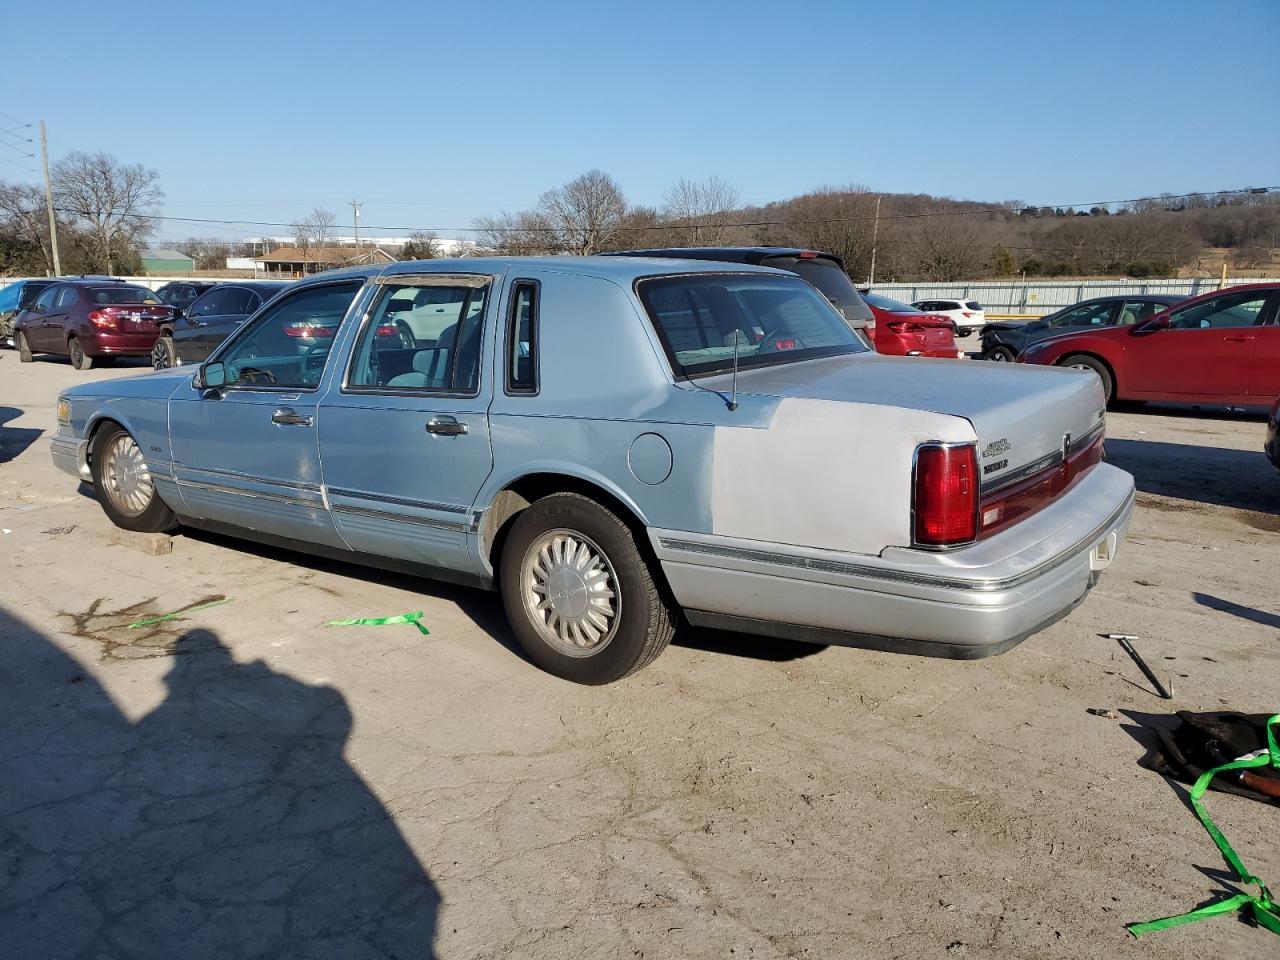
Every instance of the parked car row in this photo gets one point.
(619, 442)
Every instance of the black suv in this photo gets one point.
(824, 270)
(181, 293)
(15, 298)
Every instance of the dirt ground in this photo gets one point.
(244, 781)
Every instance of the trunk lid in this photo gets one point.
(137, 317)
(1022, 415)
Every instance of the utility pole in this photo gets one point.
(875, 239)
(48, 202)
(355, 221)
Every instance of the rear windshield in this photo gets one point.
(109, 295)
(703, 319)
(29, 293)
(888, 303)
(826, 275)
(973, 304)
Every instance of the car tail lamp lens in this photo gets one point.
(102, 319)
(807, 255)
(898, 326)
(787, 343)
(946, 495)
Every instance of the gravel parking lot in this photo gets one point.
(245, 781)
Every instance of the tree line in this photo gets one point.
(106, 209)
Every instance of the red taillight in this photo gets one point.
(787, 343)
(807, 255)
(967, 313)
(898, 326)
(946, 495)
(387, 330)
(1012, 503)
(102, 319)
(308, 330)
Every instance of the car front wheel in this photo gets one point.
(163, 355)
(123, 484)
(579, 593)
(1080, 361)
(1000, 354)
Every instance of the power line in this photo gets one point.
(13, 119)
(727, 224)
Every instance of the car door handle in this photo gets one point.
(289, 417)
(446, 427)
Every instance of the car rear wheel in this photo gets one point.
(123, 484)
(579, 594)
(1000, 355)
(24, 348)
(1080, 361)
(163, 355)
(79, 359)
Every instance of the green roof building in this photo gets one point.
(160, 260)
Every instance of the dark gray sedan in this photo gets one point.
(1005, 340)
(210, 319)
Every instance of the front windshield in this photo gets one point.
(703, 319)
(888, 304)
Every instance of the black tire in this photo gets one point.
(1086, 362)
(163, 354)
(643, 624)
(24, 348)
(154, 517)
(999, 355)
(79, 359)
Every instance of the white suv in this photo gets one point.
(966, 315)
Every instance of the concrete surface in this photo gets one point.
(243, 781)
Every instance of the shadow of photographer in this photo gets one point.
(225, 823)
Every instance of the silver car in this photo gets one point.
(617, 443)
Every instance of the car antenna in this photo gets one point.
(737, 338)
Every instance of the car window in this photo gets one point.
(66, 297)
(423, 335)
(208, 305)
(1085, 315)
(1138, 311)
(288, 345)
(827, 275)
(45, 300)
(522, 338)
(236, 300)
(888, 303)
(1240, 309)
(706, 321)
(29, 293)
(123, 294)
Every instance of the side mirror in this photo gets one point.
(212, 379)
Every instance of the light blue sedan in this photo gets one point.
(617, 442)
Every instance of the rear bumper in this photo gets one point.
(965, 603)
(71, 455)
(120, 344)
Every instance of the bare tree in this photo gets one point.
(584, 214)
(700, 211)
(524, 234)
(23, 208)
(320, 222)
(114, 201)
(422, 246)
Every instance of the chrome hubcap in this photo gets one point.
(1079, 366)
(126, 477)
(999, 358)
(570, 592)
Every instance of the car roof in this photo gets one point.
(725, 254)
(623, 270)
(261, 286)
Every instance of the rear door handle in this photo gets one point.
(446, 427)
(289, 417)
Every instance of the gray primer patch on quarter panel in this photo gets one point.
(650, 458)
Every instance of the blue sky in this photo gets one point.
(435, 113)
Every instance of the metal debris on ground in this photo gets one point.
(1265, 911)
(1104, 713)
(1124, 640)
(414, 618)
(59, 531)
(139, 624)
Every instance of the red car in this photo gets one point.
(903, 331)
(1222, 347)
(89, 319)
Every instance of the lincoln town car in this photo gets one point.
(622, 445)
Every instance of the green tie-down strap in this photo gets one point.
(415, 618)
(1265, 910)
